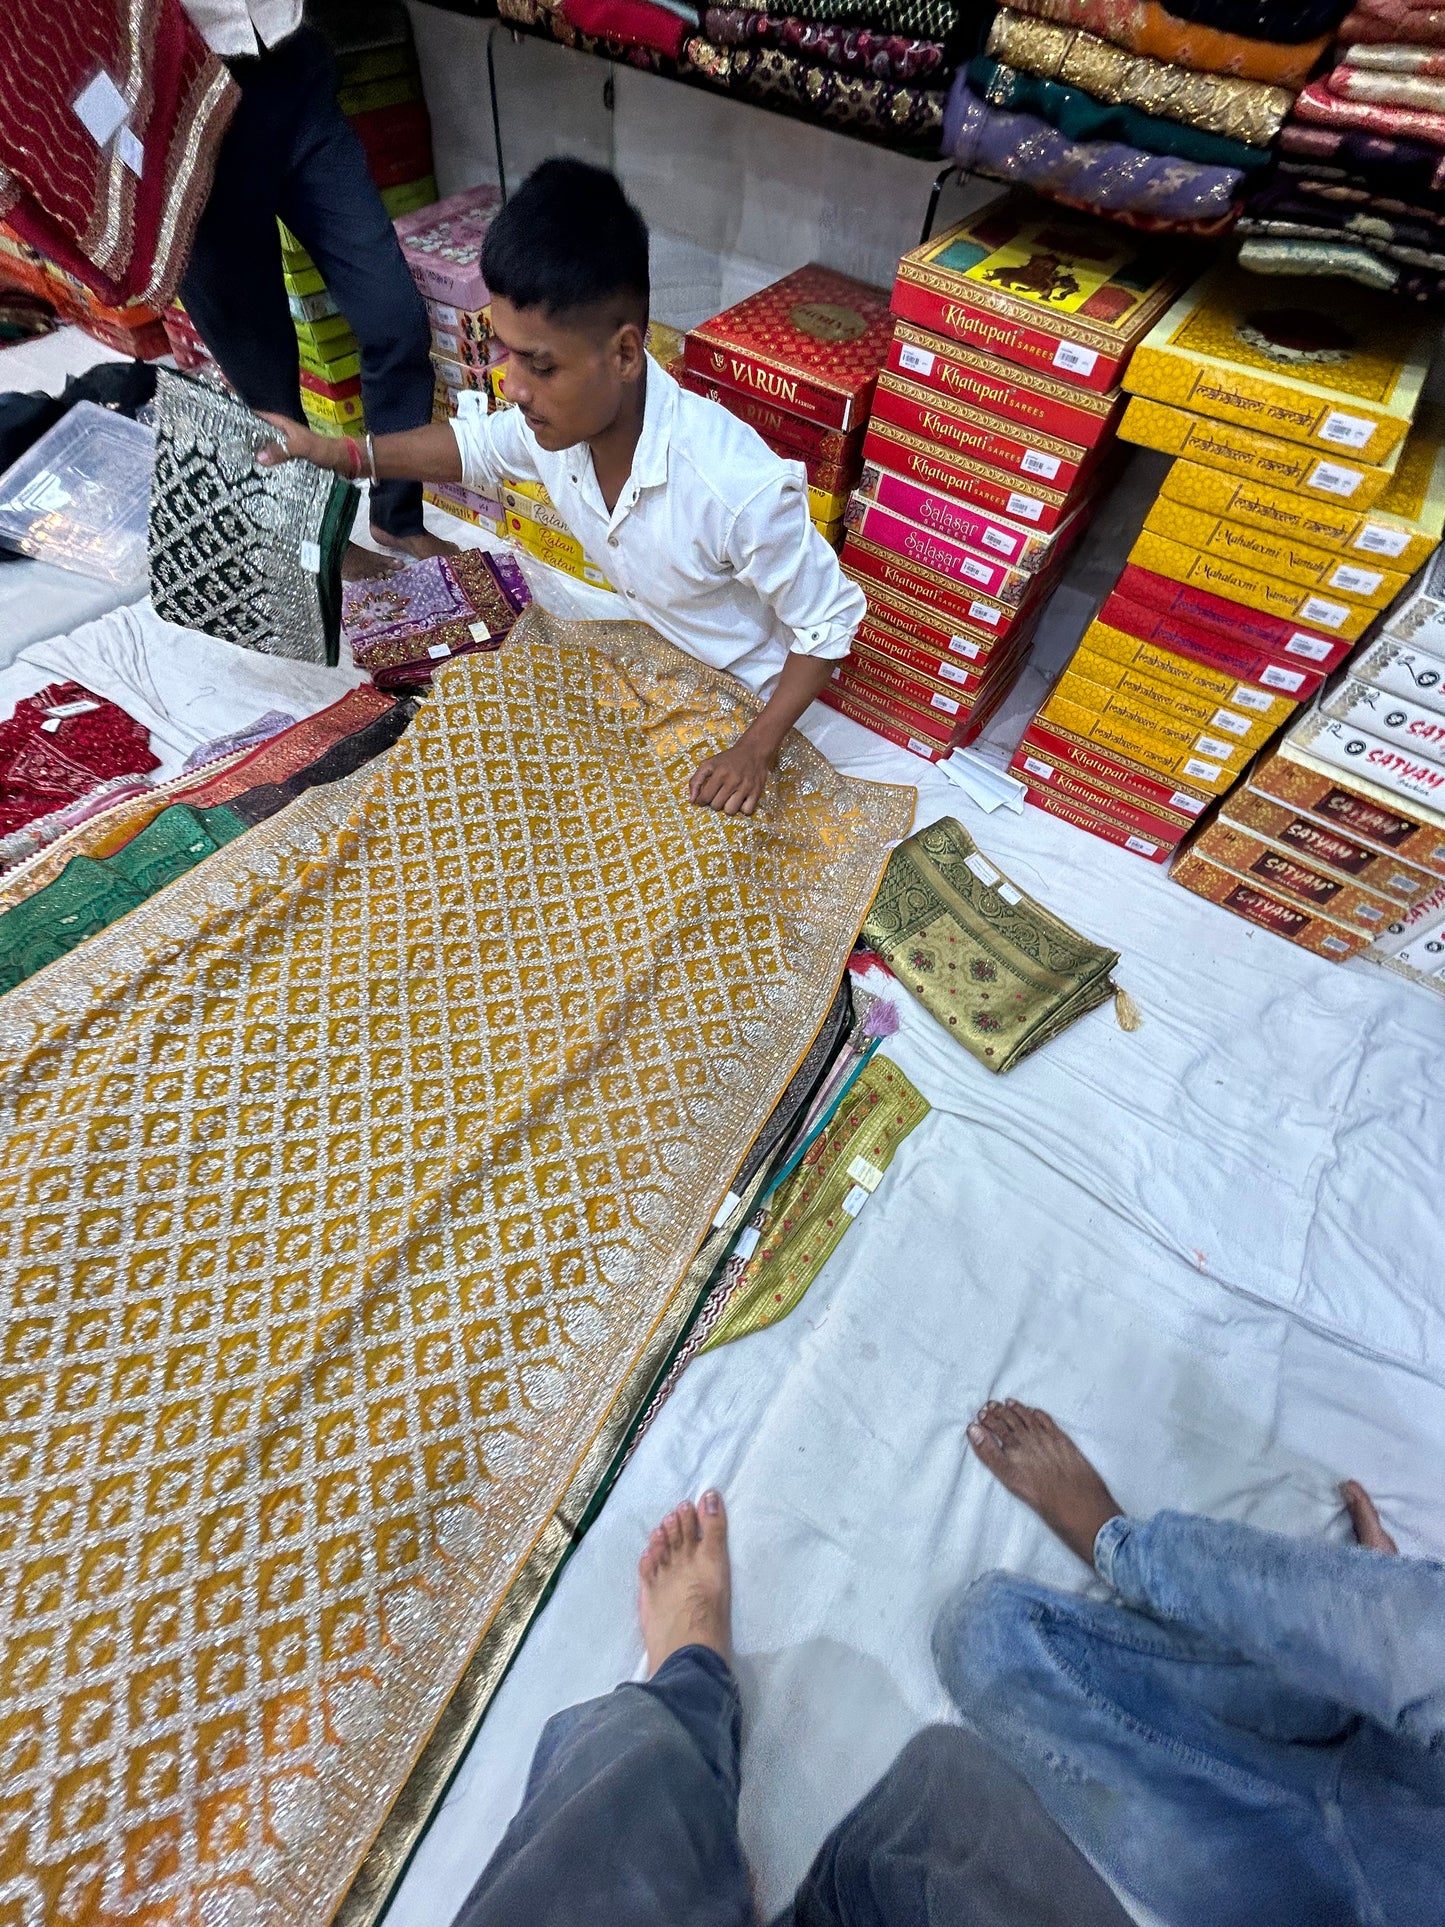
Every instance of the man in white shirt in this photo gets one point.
(290, 151)
(700, 528)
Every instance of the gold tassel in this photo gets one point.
(1126, 1012)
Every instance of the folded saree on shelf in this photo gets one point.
(1322, 107)
(60, 744)
(852, 50)
(1146, 27)
(914, 19)
(1404, 22)
(347, 1192)
(1378, 163)
(1280, 251)
(910, 117)
(1389, 88)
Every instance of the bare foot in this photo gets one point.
(362, 565)
(685, 1595)
(415, 547)
(1364, 1518)
(1027, 1453)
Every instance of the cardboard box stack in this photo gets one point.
(1291, 517)
(986, 449)
(132, 330)
(1337, 839)
(798, 361)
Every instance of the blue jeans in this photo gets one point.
(1253, 1737)
(290, 151)
(630, 1820)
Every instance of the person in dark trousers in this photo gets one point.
(630, 1813)
(289, 151)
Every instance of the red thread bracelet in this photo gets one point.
(353, 459)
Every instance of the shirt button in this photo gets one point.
(612, 541)
(630, 592)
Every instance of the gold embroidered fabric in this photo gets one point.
(1245, 110)
(347, 1189)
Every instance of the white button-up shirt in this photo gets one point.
(710, 540)
(234, 27)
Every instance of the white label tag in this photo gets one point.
(479, 632)
(1226, 719)
(948, 704)
(100, 108)
(1191, 805)
(973, 571)
(1368, 913)
(1346, 431)
(749, 1238)
(725, 1210)
(1402, 885)
(1335, 480)
(1009, 894)
(1311, 647)
(1075, 359)
(1138, 843)
(439, 649)
(855, 1200)
(918, 361)
(982, 868)
(1356, 581)
(1036, 768)
(963, 646)
(1254, 699)
(981, 612)
(1026, 506)
(997, 540)
(449, 317)
(1276, 678)
(1212, 746)
(82, 707)
(50, 728)
(1202, 772)
(1329, 614)
(310, 554)
(1375, 540)
(1037, 463)
(863, 1171)
(1333, 943)
(132, 154)
(922, 749)
(951, 672)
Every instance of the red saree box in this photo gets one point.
(958, 683)
(853, 704)
(1101, 823)
(1271, 635)
(992, 490)
(938, 553)
(951, 604)
(875, 638)
(812, 343)
(1052, 290)
(1049, 746)
(1247, 898)
(1286, 874)
(978, 531)
(970, 434)
(1042, 404)
(1210, 649)
(785, 433)
(906, 702)
(922, 628)
(1330, 799)
(1285, 600)
(1324, 847)
(1164, 827)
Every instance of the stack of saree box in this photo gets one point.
(354, 1192)
(986, 450)
(1153, 115)
(798, 362)
(1337, 839)
(1360, 187)
(1303, 495)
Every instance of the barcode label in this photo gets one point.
(1046, 467)
(963, 646)
(1138, 843)
(1036, 768)
(1329, 614)
(1009, 894)
(1376, 540)
(1356, 581)
(997, 539)
(855, 1200)
(982, 612)
(1276, 678)
(921, 749)
(863, 1171)
(1313, 647)
(948, 704)
(1075, 359)
(1226, 719)
(1254, 699)
(981, 868)
(918, 361)
(1335, 480)
(749, 1238)
(1026, 506)
(310, 554)
(1346, 431)
(1191, 805)
(1212, 746)
(951, 672)
(439, 649)
(974, 571)
(1201, 771)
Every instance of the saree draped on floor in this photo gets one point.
(347, 1191)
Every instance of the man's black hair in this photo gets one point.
(569, 238)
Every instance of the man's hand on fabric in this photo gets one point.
(733, 782)
(298, 443)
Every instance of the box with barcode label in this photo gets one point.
(1174, 697)
(1199, 611)
(1355, 579)
(971, 436)
(1323, 844)
(1350, 801)
(1248, 898)
(955, 672)
(1165, 713)
(857, 707)
(1417, 729)
(1288, 874)
(953, 606)
(1165, 829)
(1099, 821)
(939, 554)
(1365, 757)
(1061, 292)
(1286, 601)
(1174, 753)
(1341, 375)
(1244, 452)
(991, 536)
(1040, 404)
(1051, 745)
(1179, 671)
(901, 701)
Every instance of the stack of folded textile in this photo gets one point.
(1360, 186)
(1152, 115)
(985, 454)
(1264, 558)
(403, 627)
(649, 34)
(798, 362)
(134, 328)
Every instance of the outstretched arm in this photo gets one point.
(427, 454)
(734, 781)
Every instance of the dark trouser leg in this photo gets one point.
(630, 1813)
(951, 1837)
(232, 288)
(331, 204)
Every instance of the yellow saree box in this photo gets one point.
(563, 552)
(1261, 458)
(1237, 583)
(1104, 684)
(1183, 673)
(1357, 579)
(1401, 532)
(1185, 762)
(1341, 374)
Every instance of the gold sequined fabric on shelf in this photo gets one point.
(347, 1192)
(1245, 110)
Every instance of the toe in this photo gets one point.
(687, 1522)
(713, 1519)
(985, 1445)
(672, 1528)
(1003, 1421)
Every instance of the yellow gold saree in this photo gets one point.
(347, 1192)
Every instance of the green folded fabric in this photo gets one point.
(1082, 118)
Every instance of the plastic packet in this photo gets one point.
(78, 497)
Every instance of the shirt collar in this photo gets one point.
(649, 460)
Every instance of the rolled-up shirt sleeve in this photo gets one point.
(493, 448)
(774, 548)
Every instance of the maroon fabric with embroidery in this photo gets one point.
(48, 760)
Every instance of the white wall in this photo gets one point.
(735, 196)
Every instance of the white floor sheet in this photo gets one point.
(1210, 1247)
